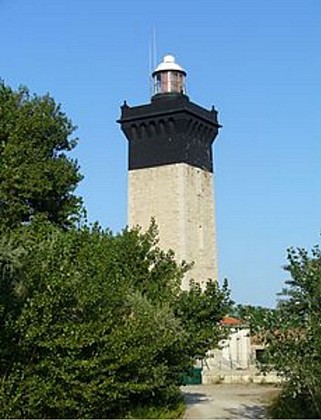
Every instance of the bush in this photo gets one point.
(90, 324)
(294, 343)
(89, 339)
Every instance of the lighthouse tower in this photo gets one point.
(170, 170)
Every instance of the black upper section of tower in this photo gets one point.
(171, 129)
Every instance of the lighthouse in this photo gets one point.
(170, 170)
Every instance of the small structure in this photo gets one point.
(234, 352)
(234, 361)
(236, 349)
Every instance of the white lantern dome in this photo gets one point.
(169, 63)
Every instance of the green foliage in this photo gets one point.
(200, 312)
(290, 406)
(260, 319)
(95, 325)
(88, 341)
(36, 177)
(172, 408)
(294, 344)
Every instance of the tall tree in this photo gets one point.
(294, 344)
(94, 325)
(91, 338)
(36, 176)
(200, 312)
(259, 318)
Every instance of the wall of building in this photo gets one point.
(180, 198)
(234, 361)
(237, 348)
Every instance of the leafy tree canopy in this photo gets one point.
(36, 176)
(294, 343)
(200, 312)
(94, 325)
(259, 318)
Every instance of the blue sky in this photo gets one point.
(258, 62)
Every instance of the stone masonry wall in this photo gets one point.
(180, 198)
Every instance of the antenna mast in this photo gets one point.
(150, 68)
(154, 48)
(152, 60)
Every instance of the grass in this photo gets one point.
(174, 411)
(158, 412)
(285, 406)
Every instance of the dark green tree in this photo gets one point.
(260, 319)
(200, 312)
(294, 343)
(36, 176)
(83, 333)
(95, 325)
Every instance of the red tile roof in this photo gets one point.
(230, 320)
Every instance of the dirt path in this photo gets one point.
(230, 401)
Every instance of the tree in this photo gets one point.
(200, 312)
(260, 319)
(294, 344)
(90, 337)
(36, 176)
(98, 327)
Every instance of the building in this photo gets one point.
(236, 348)
(170, 170)
(235, 359)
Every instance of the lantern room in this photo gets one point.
(169, 77)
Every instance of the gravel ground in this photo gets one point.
(228, 401)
